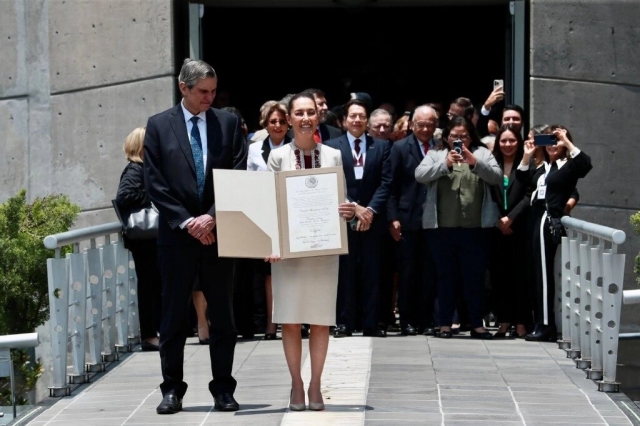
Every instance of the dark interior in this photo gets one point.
(423, 54)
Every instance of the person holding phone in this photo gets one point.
(554, 183)
(460, 209)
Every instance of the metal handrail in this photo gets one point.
(19, 341)
(77, 235)
(616, 236)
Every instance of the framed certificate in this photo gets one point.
(292, 213)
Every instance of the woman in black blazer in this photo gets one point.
(133, 196)
(508, 238)
(554, 182)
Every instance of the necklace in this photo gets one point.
(315, 158)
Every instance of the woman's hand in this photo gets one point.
(274, 258)
(529, 149)
(347, 210)
(453, 158)
(504, 222)
(563, 140)
(468, 156)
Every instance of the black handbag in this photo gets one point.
(556, 230)
(140, 224)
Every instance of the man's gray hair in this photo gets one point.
(426, 108)
(194, 70)
(379, 111)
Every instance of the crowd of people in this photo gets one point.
(444, 211)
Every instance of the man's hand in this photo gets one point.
(347, 210)
(200, 226)
(364, 215)
(208, 238)
(274, 258)
(395, 228)
(362, 226)
(496, 96)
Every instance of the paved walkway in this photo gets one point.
(367, 381)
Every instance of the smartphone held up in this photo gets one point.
(545, 140)
(498, 83)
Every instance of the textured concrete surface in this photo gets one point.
(111, 42)
(393, 381)
(89, 168)
(585, 75)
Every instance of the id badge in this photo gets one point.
(358, 171)
(542, 191)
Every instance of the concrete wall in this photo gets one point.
(76, 77)
(585, 74)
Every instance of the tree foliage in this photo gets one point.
(24, 302)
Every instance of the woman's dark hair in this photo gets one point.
(539, 130)
(297, 96)
(497, 153)
(471, 129)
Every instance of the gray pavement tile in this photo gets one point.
(385, 405)
(482, 417)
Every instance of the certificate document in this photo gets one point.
(292, 213)
(312, 203)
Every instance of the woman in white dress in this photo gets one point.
(305, 290)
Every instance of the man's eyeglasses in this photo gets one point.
(274, 122)
(451, 115)
(380, 126)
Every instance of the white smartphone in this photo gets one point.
(498, 83)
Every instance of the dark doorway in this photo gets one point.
(425, 54)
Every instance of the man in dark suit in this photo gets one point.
(181, 147)
(367, 173)
(416, 289)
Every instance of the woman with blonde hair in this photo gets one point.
(132, 196)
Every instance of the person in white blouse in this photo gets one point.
(305, 289)
(273, 119)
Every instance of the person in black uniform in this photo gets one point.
(554, 184)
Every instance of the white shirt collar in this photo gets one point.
(352, 140)
(188, 115)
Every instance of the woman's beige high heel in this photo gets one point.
(316, 406)
(296, 407)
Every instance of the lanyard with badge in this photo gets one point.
(542, 183)
(358, 162)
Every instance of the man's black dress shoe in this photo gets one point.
(170, 404)
(203, 341)
(409, 330)
(484, 335)
(542, 334)
(341, 331)
(447, 334)
(429, 331)
(226, 402)
(374, 333)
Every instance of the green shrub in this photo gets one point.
(635, 221)
(24, 300)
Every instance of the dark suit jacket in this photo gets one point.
(373, 190)
(170, 174)
(407, 195)
(326, 132)
(518, 199)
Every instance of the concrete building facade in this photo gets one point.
(78, 75)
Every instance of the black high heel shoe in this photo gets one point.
(270, 336)
(543, 333)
